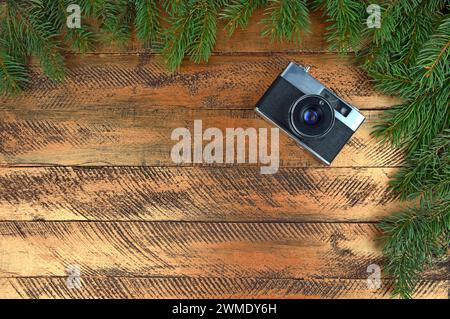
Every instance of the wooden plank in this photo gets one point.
(195, 194)
(207, 287)
(192, 249)
(226, 82)
(140, 136)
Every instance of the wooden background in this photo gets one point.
(86, 179)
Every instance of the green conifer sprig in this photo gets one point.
(416, 122)
(346, 19)
(285, 20)
(433, 65)
(415, 239)
(238, 12)
(192, 31)
(13, 73)
(147, 22)
(427, 170)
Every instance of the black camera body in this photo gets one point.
(308, 112)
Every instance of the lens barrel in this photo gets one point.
(311, 116)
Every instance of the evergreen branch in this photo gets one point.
(392, 13)
(93, 8)
(426, 171)
(30, 34)
(395, 80)
(147, 21)
(177, 36)
(415, 123)
(174, 7)
(192, 30)
(204, 27)
(80, 39)
(238, 13)
(13, 74)
(118, 17)
(285, 19)
(414, 240)
(433, 66)
(416, 30)
(346, 17)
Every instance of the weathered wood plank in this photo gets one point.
(226, 82)
(193, 249)
(139, 136)
(207, 287)
(195, 193)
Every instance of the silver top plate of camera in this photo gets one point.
(302, 80)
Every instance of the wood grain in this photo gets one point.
(140, 136)
(226, 250)
(226, 82)
(195, 193)
(207, 287)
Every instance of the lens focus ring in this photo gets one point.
(311, 116)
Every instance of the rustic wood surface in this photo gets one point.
(86, 179)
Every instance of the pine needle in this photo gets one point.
(285, 20)
(238, 13)
(147, 20)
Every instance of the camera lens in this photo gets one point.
(311, 116)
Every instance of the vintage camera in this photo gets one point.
(311, 114)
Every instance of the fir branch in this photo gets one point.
(93, 8)
(238, 13)
(392, 13)
(29, 33)
(285, 20)
(395, 80)
(346, 18)
(427, 171)
(415, 240)
(79, 39)
(147, 21)
(204, 27)
(13, 74)
(118, 17)
(402, 63)
(192, 30)
(174, 7)
(178, 36)
(433, 66)
(415, 123)
(416, 29)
